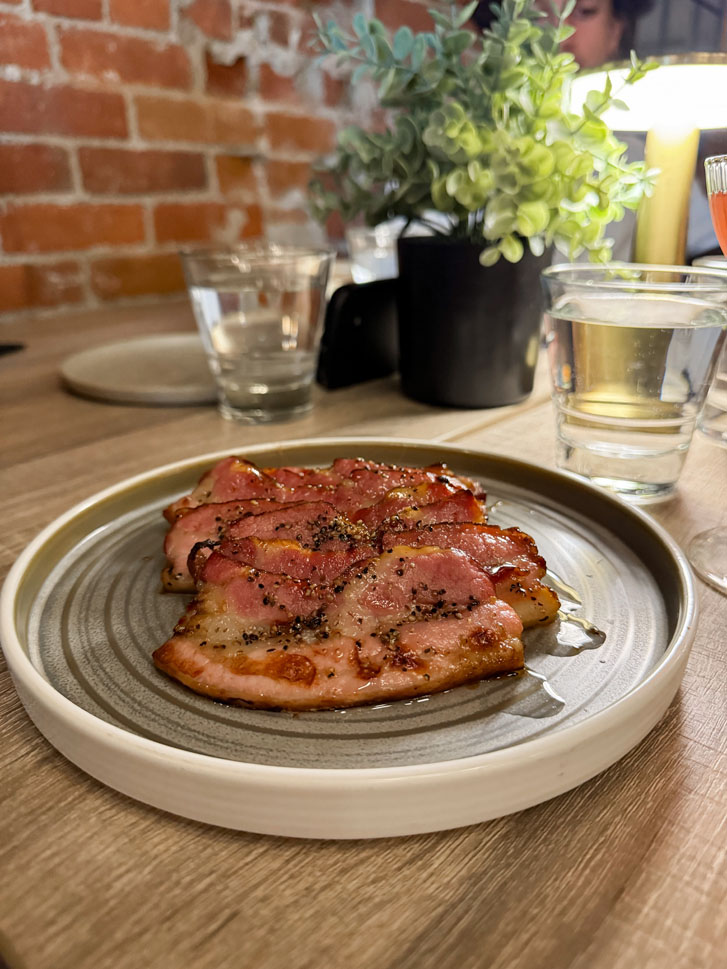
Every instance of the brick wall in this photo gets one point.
(129, 127)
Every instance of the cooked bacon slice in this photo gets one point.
(462, 506)
(348, 483)
(416, 497)
(317, 565)
(311, 535)
(365, 488)
(509, 555)
(234, 599)
(204, 523)
(407, 622)
(338, 471)
(365, 495)
(232, 479)
(313, 524)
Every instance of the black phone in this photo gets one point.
(360, 340)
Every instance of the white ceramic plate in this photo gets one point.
(82, 611)
(162, 369)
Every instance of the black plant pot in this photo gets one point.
(468, 334)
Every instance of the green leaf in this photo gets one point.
(537, 245)
(439, 19)
(465, 13)
(532, 218)
(489, 256)
(454, 180)
(511, 248)
(484, 137)
(419, 49)
(441, 198)
(361, 71)
(499, 217)
(388, 86)
(403, 43)
(457, 43)
(368, 47)
(360, 25)
(595, 100)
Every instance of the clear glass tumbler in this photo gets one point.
(713, 419)
(373, 251)
(259, 309)
(632, 349)
(708, 550)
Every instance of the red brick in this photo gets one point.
(112, 170)
(26, 287)
(335, 92)
(152, 14)
(302, 133)
(280, 24)
(75, 9)
(23, 43)
(285, 176)
(205, 122)
(61, 111)
(120, 276)
(335, 227)
(227, 80)
(33, 168)
(57, 228)
(213, 17)
(114, 58)
(277, 87)
(236, 176)
(206, 221)
(398, 13)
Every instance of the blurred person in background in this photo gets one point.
(604, 31)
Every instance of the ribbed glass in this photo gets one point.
(716, 171)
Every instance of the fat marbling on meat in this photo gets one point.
(338, 586)
(401, 624)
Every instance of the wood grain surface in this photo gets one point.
(628, 870)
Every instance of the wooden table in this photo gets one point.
(628, 870)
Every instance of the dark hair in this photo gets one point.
(628, 11)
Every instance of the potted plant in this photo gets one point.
(480, 149)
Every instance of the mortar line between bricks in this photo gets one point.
(282, 207)
(90, 84)
(65, 199)
(104, 26)
(121, 144)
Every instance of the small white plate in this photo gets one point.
(82, 611)
(162, 369)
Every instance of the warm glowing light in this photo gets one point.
(691, 95)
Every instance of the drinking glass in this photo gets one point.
(373, 251)
(707, 551)
(259, 310)
(632, 350)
